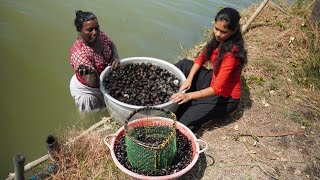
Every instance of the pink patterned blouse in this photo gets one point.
(81, 53)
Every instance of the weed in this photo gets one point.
(311, 69)
(273, 83)
(298, 118)
(309, 73)
(280, 24)
(256, 80)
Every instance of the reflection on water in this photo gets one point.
(36, 37)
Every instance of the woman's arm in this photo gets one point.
(187, 83)
(115, 57)
(89, 74)
(181, 97)
(194, 70)
(84, 67)
(228, 65)
(203, 93)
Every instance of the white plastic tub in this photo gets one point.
(120, 110)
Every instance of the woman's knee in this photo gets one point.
(183, 63)
(232, 107)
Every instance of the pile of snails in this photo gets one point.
(142, 84)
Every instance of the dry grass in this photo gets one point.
(277, 51)
(87, 158)
(273, 101)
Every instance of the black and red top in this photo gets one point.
(81, 53)
(226, 79)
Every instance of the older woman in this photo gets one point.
(90, 54)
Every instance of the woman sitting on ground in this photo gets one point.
(216, 92)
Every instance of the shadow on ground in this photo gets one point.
(245, 103)
(205, 160)
(198, 170)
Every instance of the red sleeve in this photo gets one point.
(228, 64)
(200, 59)
(80, 56)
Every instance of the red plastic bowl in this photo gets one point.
(157, 121)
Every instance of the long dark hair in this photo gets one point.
(232, 17)
(82, 17)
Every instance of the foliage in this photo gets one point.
(309, 72)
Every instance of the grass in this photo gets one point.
(87, 158)
(309, 73)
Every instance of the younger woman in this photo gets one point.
(216, 92)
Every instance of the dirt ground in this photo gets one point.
(263, 140)
(234, 154)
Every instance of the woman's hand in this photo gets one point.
(180, 98)
(84, 70)
(185, 85)
(115, 64)
(89, 74)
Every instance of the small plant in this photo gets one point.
(273, 83)
(256, 80)
(245, 86)
(280, 24)
(297, 117)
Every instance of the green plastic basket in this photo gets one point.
(150, 137)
